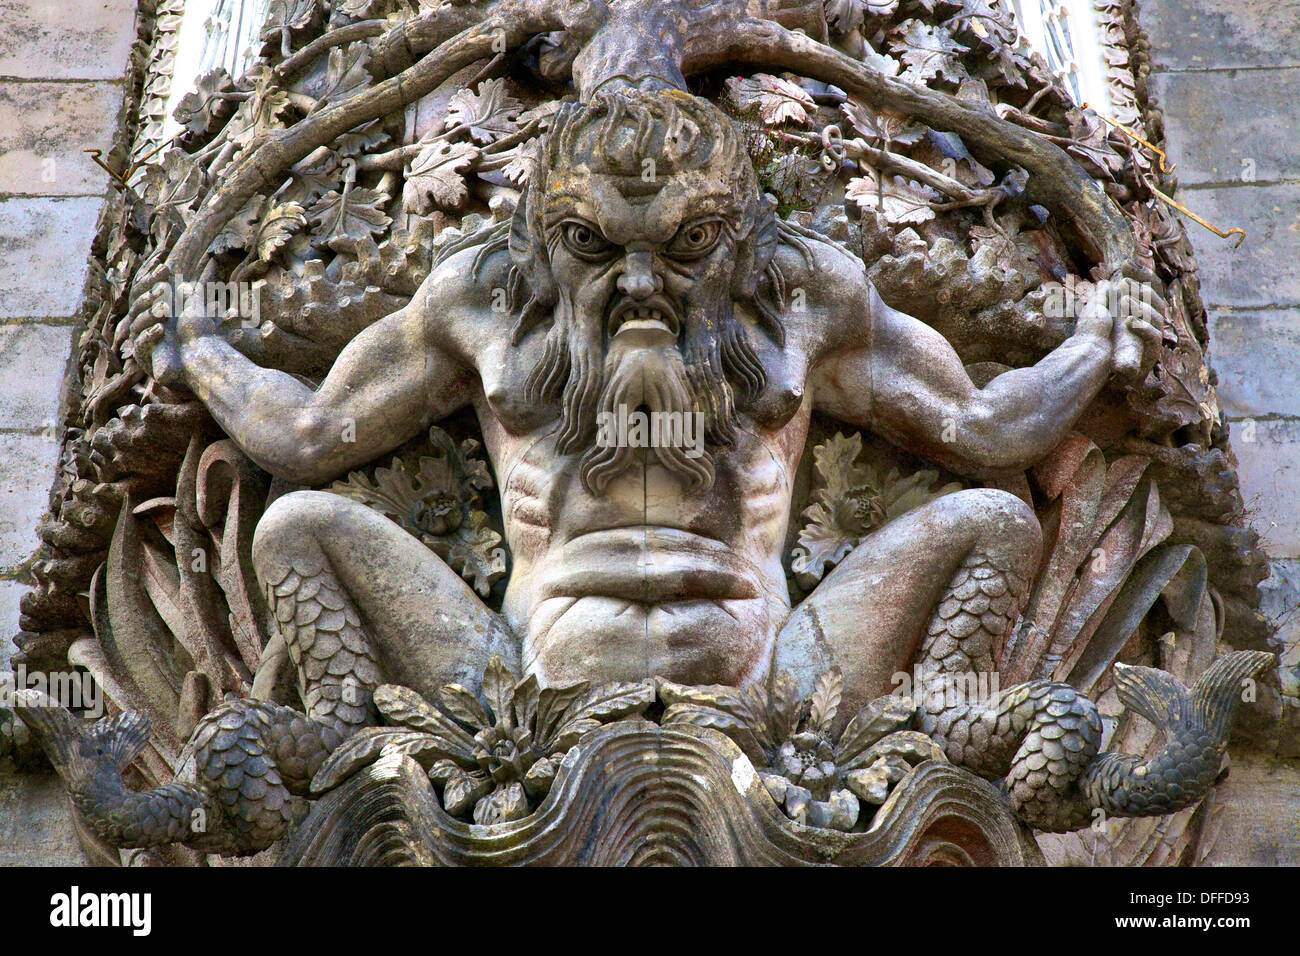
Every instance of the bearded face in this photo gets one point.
(642, 224)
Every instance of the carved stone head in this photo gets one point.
(641, 226)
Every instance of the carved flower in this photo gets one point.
(494, 755)
(437, 514)
(853, 499)
(437, 499)
(818, 778)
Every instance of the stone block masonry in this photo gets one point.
(62, 79)
(1227, 77)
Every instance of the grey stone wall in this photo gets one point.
(62, 70)
(1227, 76)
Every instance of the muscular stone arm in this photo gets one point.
(386, 385)
(904, 381)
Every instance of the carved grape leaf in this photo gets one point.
(347, 216)
(928, 51)
(488, 114)
(1088, 143)
(286, 16)
(778, 100)
(947, 153)
(239, 231)
(259, 230)
(172, 186)
(822, 544)
(292, 14)
(845, 16)
(938, 6)
(987, 21)
(900, 201)
(280, 224)
(256, 117)
(882, 126)
(345, 74)
(523, 161)
(435, 180)
(363, 139)
(988, 27)
(312, 182)
(203, 110)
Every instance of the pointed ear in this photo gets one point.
(528, 250)
(755, 250)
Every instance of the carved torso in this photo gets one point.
(645, 573)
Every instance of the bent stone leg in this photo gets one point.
(403, 615)
(870, 615)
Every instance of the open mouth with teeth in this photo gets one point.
(653, 315)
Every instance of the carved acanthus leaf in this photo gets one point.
(495, 754)
(817, 777)
(437, 499)
(852, 499)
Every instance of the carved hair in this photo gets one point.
(619, 129)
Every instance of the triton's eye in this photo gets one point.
(695, 239)
(585, 240)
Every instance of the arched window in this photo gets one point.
(192, 38)
(1068, 36)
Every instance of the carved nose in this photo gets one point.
(639, 279)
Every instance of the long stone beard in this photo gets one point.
(677, 381)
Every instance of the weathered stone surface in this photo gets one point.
(26, 466)
(36, 826)
(76, 39)
(44, 244)
(609, 810)
(1270, 473)
(1227, 129)
(1260, 803)
(11, 592)
(45, 129)
(1280, 603)
(1256, 354)
(1262, 271)
(1211, 34)
(34, 368)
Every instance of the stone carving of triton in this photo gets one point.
(644, 268)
